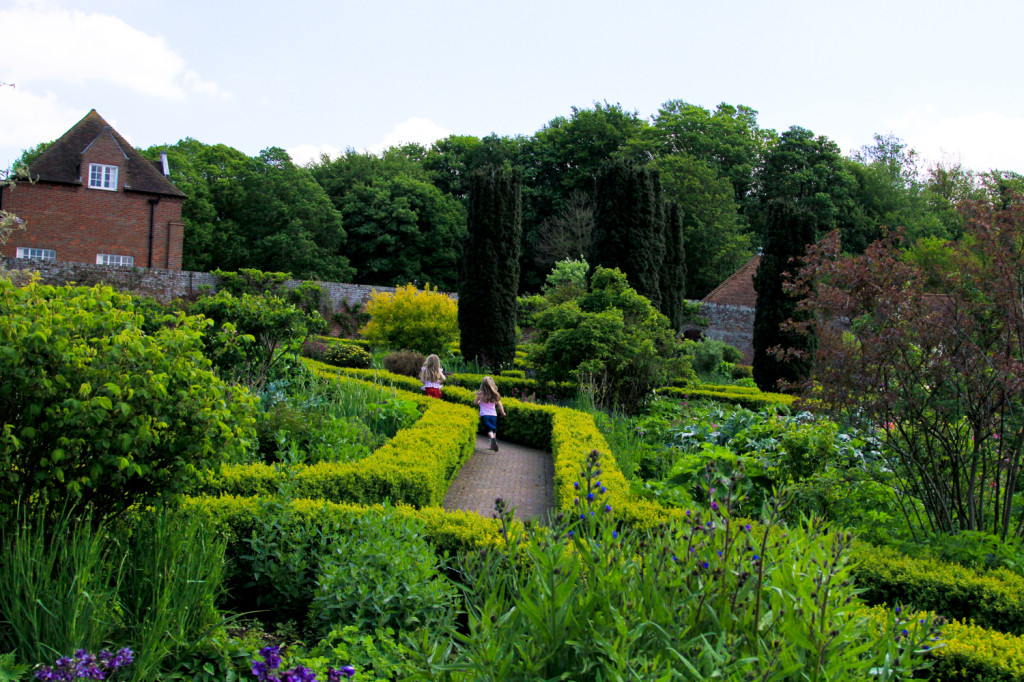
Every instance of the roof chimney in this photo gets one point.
(163, 162)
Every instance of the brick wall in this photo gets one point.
(733, 324)
(79, 222)
(164, 284)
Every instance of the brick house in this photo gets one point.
(94, 199)
(729, 310)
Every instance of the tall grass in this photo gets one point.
(67, 583)
(169, 588)
(625, 441)
(310, 419)
(58, 586)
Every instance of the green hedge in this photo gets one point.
(993, 599)
(736, 395)
(239, 517)
(975, 650)
(415, 467)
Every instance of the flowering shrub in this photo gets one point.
(85, 666)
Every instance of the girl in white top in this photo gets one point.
(432, 376)
(489, 401)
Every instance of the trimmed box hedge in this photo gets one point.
(415, 467)
(736, 395)
(992, 599)
(975, 649)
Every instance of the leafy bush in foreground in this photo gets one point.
(93, 409)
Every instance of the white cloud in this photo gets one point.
(308, 153)
(45, 44)
(984, 140)
(27, 119)
(421, 130)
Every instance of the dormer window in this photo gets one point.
(102, 176)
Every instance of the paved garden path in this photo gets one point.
(521, 476)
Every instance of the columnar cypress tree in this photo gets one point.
(630, 225)
(789, 228)
(489, 273)
(673, 268)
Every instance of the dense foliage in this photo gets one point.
(938, 374)
(424, 320)
(253, 333)
(259, 212)
(610, 339)
(95, 410)
(489, 277)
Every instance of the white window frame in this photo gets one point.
(32, 253)
(102, 176)
(115, 260)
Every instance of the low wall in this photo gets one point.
(165, 285)
(733, 324)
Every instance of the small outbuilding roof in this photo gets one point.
(738, 289)
(61, 162)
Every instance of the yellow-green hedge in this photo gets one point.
(993, 599)
(739, 395)
(415, 467)
(238, 517)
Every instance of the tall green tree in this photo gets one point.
(264, 213)
(714, 232)
(630, 225)
(560, 162)
(489, 278)
(790, 229)
(728, 139)
(402, 228)
(892, 192)
(673, 268)
(811, 172)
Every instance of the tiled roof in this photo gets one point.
(61, 162)
(738, 289)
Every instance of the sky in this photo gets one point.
(325, 76)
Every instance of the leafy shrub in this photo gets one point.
(513, 373)
(423, 321)
(405, 362)
(527, 308)
(381, 573)
(346, 355)
(611, 340)
(94, 410)
(708, 354)
(270, 327)
(739, 371)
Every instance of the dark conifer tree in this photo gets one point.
(673, 269)
(789, 228)
(629, 225)
(489, 274)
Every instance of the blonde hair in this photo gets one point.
(431, 369)
(488, 392)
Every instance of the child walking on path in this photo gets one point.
(432, 376)
(489, 401)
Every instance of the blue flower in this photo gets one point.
(590, 496)
(607, 507)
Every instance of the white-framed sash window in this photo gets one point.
(36, 254)
(102, 176)
(112, 259)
